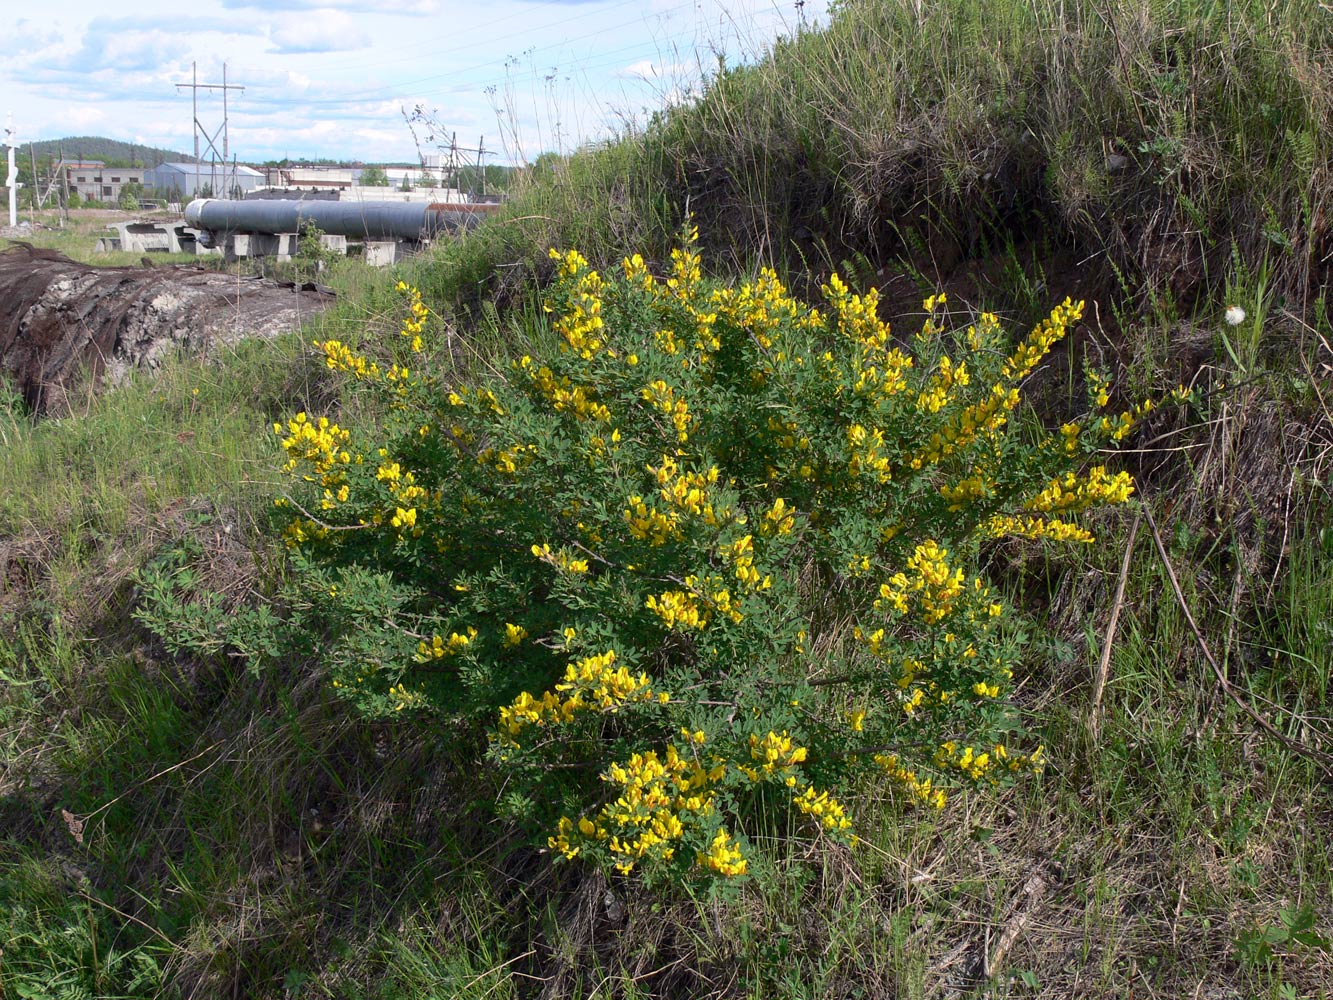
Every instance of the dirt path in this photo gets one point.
(58, 317)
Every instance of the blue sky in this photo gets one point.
(331, 78)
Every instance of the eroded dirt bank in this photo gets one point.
(59, 317)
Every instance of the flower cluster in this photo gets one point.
(316, 444)
(775, 756)
(561, 559)
(670, 522)
(562, 394)
(1040, 341)
(825, 809)
(987, 765)
(341, 358)
(1073, 492)
(438, 647)
(660, 798)
(417, 314)
(929, 587)
(664, 398)
(592, 684)
(921, 790)
(679, 609)
(580, 323)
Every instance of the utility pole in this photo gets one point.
(225, 134)
(36, 184)
(64, 187)
(53, 178)
(481, 164)
(12, 178)
(195, 86)
(456, 164)
(194, 110)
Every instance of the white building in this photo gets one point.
(311, 178)
(193, 180)
(92, 179)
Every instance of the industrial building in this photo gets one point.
(93, 179)
(310, 178)
(309, 181)
(182, 181)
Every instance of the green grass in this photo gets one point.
(77, 238)
(240, 832)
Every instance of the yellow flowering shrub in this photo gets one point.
(620, 558)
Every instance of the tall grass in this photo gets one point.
(1154, 139)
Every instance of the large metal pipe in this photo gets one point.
(375, 220)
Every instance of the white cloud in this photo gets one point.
(81, 117)
(330, 77)
(322, 30)
(408, 7)
(27, 36)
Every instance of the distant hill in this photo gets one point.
(99, 147)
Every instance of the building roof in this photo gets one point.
(210, 169)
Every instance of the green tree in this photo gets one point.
(374, 176)
(312, 256)
(130, 195)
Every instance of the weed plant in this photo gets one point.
(246, 834)
(599, 546)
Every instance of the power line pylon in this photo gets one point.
(195, 86)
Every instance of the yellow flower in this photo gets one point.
(723, 855)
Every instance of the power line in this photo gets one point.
(396, 90)
(431, 46)
(195, 86)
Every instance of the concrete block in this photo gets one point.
(238, 246)
(380, 253)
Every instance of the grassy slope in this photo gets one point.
(1162, 146)
(242, 836)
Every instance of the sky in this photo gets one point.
(338, 79)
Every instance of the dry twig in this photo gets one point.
(1325, 760)
(1103, 668)
(1034, 890)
